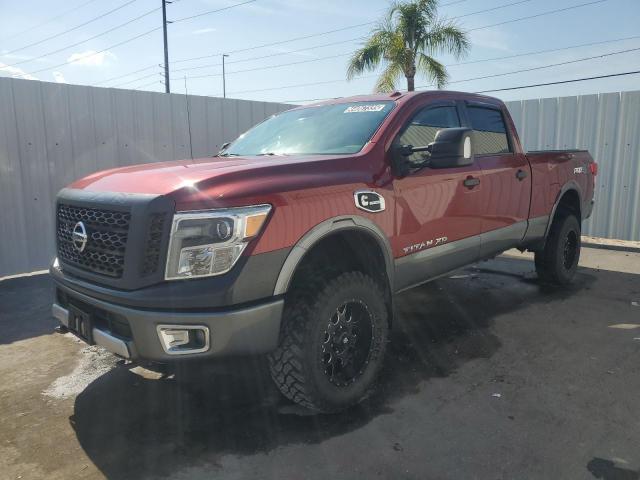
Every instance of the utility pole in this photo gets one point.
(224, 80)
(167, 88)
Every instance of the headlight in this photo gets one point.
(209, 243)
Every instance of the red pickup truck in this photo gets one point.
(293, 241)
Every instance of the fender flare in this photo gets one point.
(571, 185)
(324, 229)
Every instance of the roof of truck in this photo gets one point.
(402, 97)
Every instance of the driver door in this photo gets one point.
(438, 224)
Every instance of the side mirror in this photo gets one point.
(401, 165)
(451, 148)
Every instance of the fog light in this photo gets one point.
(183, 339)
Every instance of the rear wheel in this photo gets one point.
(333, 342)
(558, 261)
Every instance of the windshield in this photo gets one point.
(327, 129)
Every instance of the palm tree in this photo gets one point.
(405, 42)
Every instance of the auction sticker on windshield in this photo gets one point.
(364, 108)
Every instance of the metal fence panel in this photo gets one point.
(608, 125)
(52, 134)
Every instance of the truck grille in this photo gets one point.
(153, 244)
(107, 233)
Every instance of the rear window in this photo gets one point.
(489, 131)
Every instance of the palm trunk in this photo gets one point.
(411, 84)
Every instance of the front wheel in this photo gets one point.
(558, 261)
(332, 344)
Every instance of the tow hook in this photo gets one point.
(61, 329)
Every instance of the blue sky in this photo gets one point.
(317, 59)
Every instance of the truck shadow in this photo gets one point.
(25, 308)
(130, 426)
(607, 470)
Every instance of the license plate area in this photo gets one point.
(80, 324)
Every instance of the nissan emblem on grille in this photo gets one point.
(79, 237)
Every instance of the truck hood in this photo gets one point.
(205, 179)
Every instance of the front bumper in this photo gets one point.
(133, 333)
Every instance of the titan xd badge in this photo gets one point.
(369, 201)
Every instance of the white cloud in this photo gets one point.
(90, 58)
(16, 72)
(492, 38)
(59, 78)
(202, 31)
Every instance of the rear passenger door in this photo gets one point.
(438, 227)
(506, 179)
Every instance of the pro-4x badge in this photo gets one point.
(369, 201)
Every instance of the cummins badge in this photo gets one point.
(369, 201)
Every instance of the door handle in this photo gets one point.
(471, 182)
(521, 175)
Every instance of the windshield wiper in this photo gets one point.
(228, 155)
(271, 154)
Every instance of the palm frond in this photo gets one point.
(407, 41)
(446, 37)
(387, 80)
(433, 70)
(372, 52)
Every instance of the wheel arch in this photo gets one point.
(569, 197)
(324, 230)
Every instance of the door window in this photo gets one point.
(422, 129)
(489, 131)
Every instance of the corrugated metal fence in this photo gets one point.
(52, 134)
(608, 125)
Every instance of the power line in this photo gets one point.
(118, 85)
(611, 75)
(458, 81)
(128, 74)
(279, 54)
(124, 41)
(146, 85)
(191, 17)
(520, 87)
(349, 28)
(255, 47)
(273, 44)
(52, 19)
(511, 73)
(333, 43)
(342, 55)
(450, 65)
(299, 85)
(491, 9)
(528, 17)
(262, 46)
(269, 66)
(425, 86)
(51, 37)
(590, 44)
(328, 32)
(128, 40)
(542, 67)
(66, 47)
